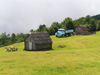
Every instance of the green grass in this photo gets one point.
(80, 55)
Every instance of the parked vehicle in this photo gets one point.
(63, 32)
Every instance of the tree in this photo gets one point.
(88, 19)
(76, 23)
(41, 28)
(81, 21)
(92, 25)
(31, 30)
(21, 39)
(69, 25)
(51, 31)
(88, 26)
(4, 39)
(98, 25)
(65, 21)
(13, 38)
(56, 24)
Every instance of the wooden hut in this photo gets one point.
(38, 41)
(82, 30)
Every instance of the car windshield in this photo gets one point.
(60, 30)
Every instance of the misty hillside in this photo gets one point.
(96, 17)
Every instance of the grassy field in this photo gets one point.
(75, 55)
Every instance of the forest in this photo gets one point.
(93, 23)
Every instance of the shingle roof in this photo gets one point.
(41, 37)
(83, 27)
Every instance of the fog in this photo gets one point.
(18, 16)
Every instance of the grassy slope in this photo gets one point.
(81, 56)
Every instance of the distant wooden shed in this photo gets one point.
(38, 41)
(82, 30)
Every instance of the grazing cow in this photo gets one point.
(11, 49)
(7, 49)
(14, 49)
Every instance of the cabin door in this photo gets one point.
(30, 45)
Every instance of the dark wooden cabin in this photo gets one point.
(38, 41)
(82, 30)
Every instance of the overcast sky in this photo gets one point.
(18, 16)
